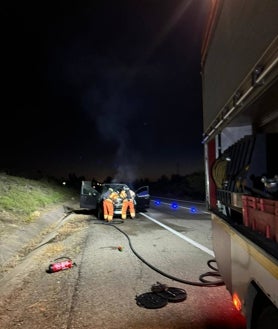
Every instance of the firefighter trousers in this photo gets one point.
(128, 205)
(108, 210)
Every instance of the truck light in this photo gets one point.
(236, 301)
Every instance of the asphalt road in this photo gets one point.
(168, 245)
(117, 266)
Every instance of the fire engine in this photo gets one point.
(239, 70)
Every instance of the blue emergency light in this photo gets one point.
(174, 205)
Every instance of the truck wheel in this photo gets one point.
(268, 319)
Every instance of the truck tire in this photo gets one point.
(268, 319)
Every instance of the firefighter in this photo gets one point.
(128, 202)
(108, 206)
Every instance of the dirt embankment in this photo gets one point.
(25, 286)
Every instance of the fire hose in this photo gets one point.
(202, 283)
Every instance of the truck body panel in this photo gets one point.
(240, 122)
(243, 31)
(248, 261)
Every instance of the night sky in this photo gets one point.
(102, 88)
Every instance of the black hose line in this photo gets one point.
(203, 282)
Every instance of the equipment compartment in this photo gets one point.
(261, 215)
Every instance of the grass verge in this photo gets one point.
(22, 199)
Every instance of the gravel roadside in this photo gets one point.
(17, 241)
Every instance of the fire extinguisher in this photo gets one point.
(60, 266)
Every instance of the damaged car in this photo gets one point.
(91, 197)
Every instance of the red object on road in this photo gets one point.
(60, 266)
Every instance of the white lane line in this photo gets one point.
(194, 243)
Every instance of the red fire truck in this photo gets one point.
(240, 124)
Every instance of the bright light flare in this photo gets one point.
(236, 301)
(193, 210)
(174, 205)
(157, 202)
